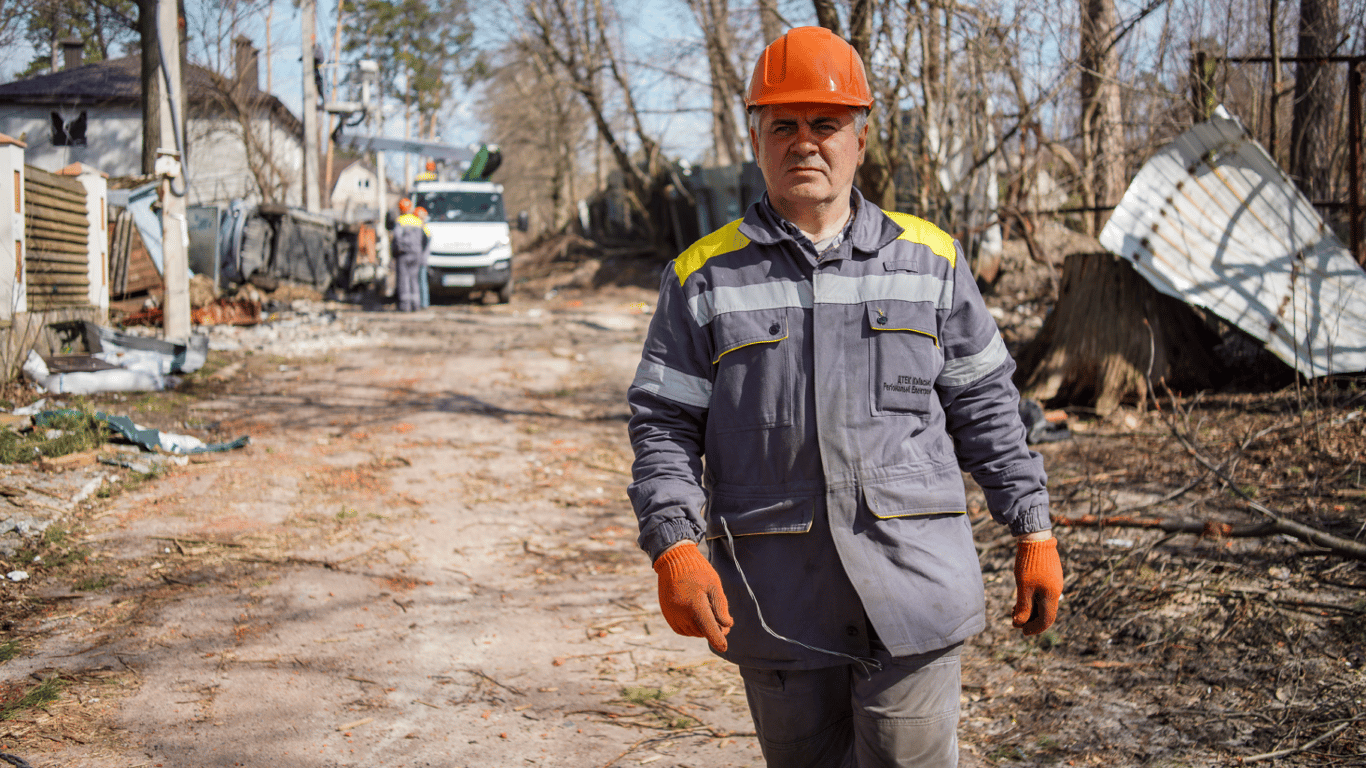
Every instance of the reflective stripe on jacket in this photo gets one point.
(834, 399)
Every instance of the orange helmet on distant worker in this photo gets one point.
(809, 64)
(405, 205)
(420, 212)
(431, 165)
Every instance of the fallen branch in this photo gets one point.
(1305, 747)
(491, 680)
(1272, 527)
(627, 751)
(1278, 523)
(178, 541)
(1208, 528)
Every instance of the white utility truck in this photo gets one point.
(471, 242)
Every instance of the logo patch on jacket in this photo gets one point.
(911, 385)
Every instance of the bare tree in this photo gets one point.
(1103, 177)
(231, 109)
(542, 128)
(575, 43)
(1317, 85)
(13, 15)
(727, 87)
(770, 21)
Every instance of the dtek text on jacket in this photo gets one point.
(834, 398)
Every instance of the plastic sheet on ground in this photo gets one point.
(166, 356)
(149, 439)
(89, 382)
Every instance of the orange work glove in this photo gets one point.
(1038, 585)
(690, 595)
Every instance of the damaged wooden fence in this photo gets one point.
(53, 268)
(58, 235)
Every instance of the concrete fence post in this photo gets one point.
(13, 298)
(97, 216)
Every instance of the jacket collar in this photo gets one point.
(868, 230)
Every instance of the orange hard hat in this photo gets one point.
(405, 205)
(420, 211)
(809, 64)
(431, 165)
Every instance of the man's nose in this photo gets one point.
(805, 142)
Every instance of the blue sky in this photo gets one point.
(659, 33)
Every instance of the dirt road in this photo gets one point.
(425, 557)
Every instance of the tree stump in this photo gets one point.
(1109, 334)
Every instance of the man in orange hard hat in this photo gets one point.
(813, 379)
(410, 241)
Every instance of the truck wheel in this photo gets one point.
(505, 292)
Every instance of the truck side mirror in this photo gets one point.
(523, 221)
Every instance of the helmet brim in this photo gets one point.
(810, 97)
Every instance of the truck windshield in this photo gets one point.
(461, 206)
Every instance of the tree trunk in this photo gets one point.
(1109, 335)
(770, 23)
(727, 87)
(875, 179)
(1316, 88)
(1102, 134)
(827, 15)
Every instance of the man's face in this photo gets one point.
(808, 154)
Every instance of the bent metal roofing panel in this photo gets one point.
(1213, 221)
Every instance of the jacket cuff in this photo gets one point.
(667, 534)
(1034, 519)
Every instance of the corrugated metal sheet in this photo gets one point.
(1213, 221)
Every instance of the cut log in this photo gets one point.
(1109, 334)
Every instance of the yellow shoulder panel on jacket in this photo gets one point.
(725, 240)
(917, 230)
(409, 220)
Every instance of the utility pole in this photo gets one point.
(152, 85)
(310, 40)
(332, 117)
(170, 165)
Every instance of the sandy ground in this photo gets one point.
(425, 557)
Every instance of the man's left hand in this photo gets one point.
(1038, 583)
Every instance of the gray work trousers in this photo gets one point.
(835, 717)
(407, 267)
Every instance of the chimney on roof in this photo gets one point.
(72, 48)
(246, 59)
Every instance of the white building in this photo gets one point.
(354, 191)
(242, 142)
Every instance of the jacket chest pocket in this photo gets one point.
(904, 356)
(755, 382)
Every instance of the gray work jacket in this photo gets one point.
(834, 398)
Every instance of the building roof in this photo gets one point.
(118, 82)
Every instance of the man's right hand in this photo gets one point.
(690, 595)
